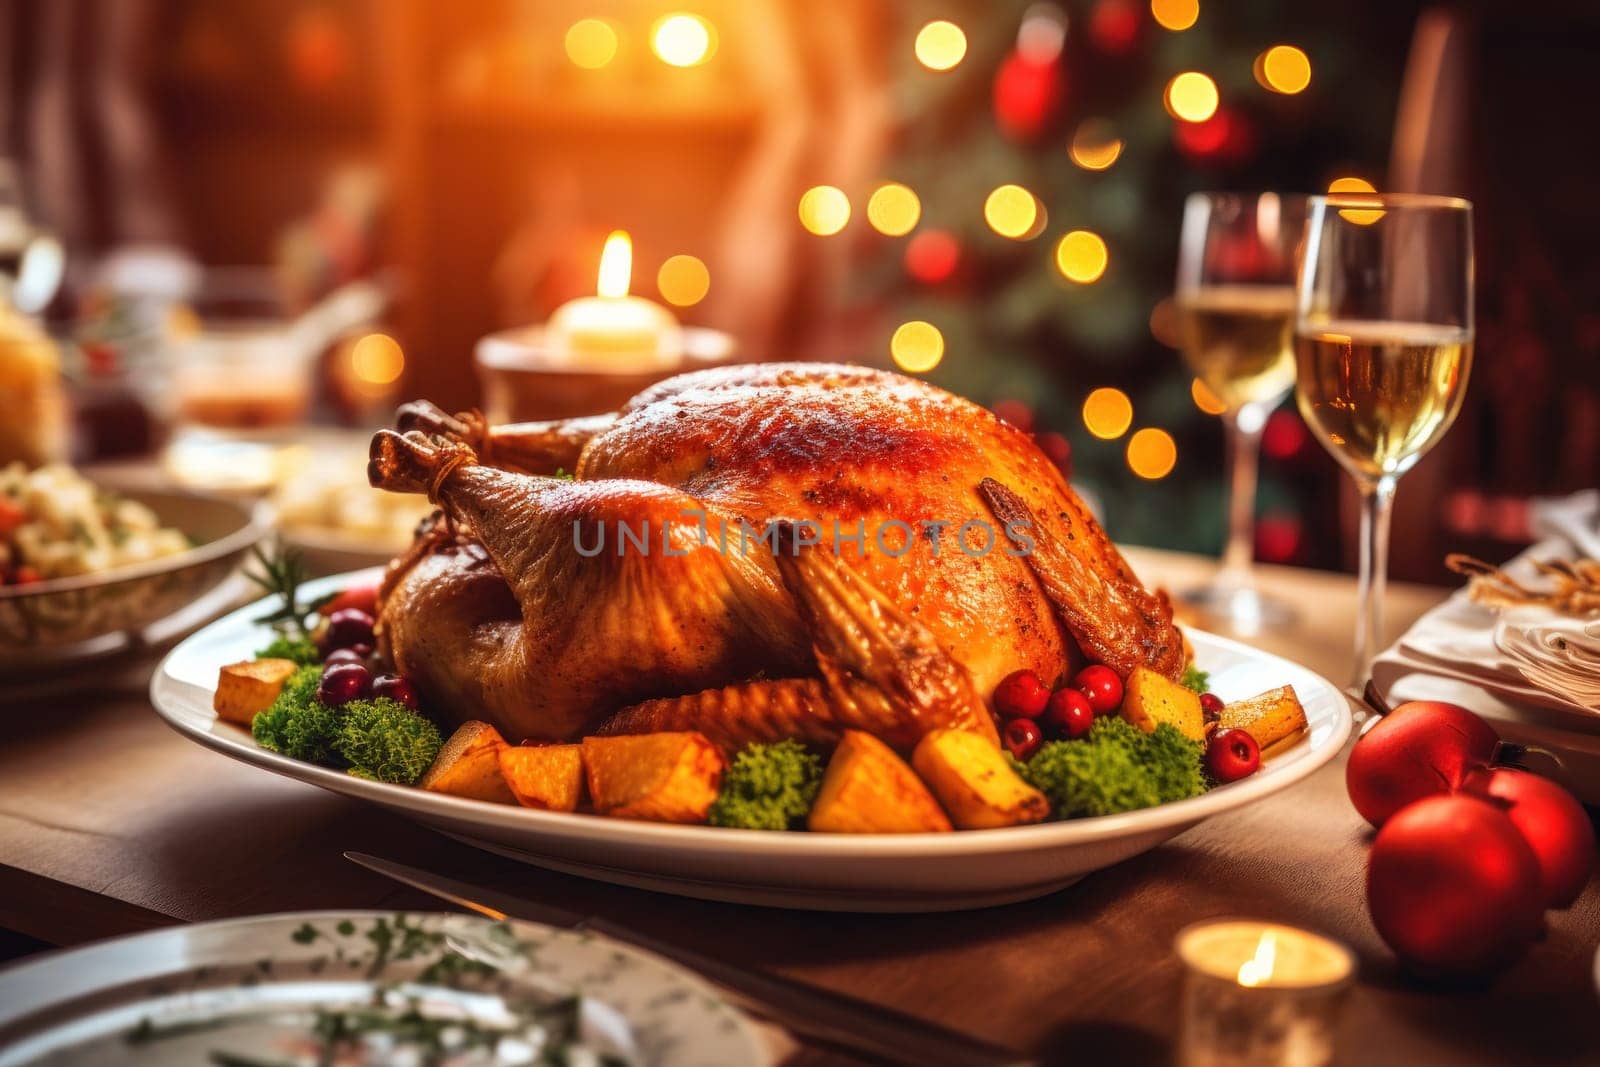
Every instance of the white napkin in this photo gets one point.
(1557, 653)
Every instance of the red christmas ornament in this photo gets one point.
(1420, 748)
(932, 256)
(1279, 536)
(1284, 436)
(1114, 26)
(1026, 94)
(1227, 137)
(1015, 412)
(1553, 823)
(1453, 887)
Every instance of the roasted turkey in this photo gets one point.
(654, 569)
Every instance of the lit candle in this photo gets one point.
(1260, 993)
(613, 331)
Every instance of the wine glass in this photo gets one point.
(1383, 347)
(1235, 302)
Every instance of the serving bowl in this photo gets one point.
(63, 619)
(818, 871)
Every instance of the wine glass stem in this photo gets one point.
(1377, 499)
(1244, 461)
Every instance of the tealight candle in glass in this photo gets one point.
(1258, 993)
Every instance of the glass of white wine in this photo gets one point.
(1383, 348)
(1235, 301)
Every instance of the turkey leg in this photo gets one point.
(526, 447)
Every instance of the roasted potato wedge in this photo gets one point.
(974, 782)
(469, 765)
(867, 789)
(544, 776)
(246, 689)
(663, 777)
(1149, 700)
(1272, 718)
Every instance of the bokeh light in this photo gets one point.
(683, 40)
(377, 359)
(893, 209)
(940, 45)
(932, 256)
(917, 346)
(683, 280)
(1095, 144)
(1192, 97)
(1152, 453)
(1107, 413)
(591, 43)
(1283, 68)
(1012, 211)
(1205, 399)
(1081, 256)
(1164, 322)
(824, 210)
(1042, 33)
(1175, 15)
(1352, 189)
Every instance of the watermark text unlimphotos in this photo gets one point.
(892, 537)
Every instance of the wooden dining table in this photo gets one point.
(111, 823)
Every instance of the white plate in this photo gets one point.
(830, 872)
(244, 986)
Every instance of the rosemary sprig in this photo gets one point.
(283, 572)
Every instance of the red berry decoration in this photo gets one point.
(1453, 887)
(342, 683)
(1419, 749)
(395, 688)
(1021, 695)
(1232, 755)
(1211, 704)
(1102, 686)
(1069, 713)
(343, 655)
(345, 628)
(1550, 820)
(1022, 737)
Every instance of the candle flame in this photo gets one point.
(1258, 969)
(616, 265)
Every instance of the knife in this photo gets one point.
(880, 1034)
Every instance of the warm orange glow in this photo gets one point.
(1081, 256)
(1283, 68)
(1012, 211)
(616, 265)
(940, 45)
(1107, 413)
(1205, 399)
(1192, 97)
(1175, 15)
(683, 40)
(893, 209)
(1164, 322)
(824, 210)
(917, 347)
(1152, 453)
(1095, 144)
(1257, 970)
(591, 43)
(1349, 190)
(377, 359)
(683, 281)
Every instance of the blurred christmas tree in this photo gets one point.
(1052, 145)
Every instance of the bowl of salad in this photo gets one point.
(86, 564)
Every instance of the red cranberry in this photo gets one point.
(1211, 707)
(344, 629)
(342, 683)
(344, 655)
(395, 688)
(1102, 686)
(1069, 713)
(1232, 755)
(1020, 695)
(1022, 737)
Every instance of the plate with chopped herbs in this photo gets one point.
(1073, 777)
(357, 988)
